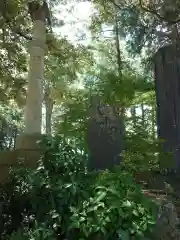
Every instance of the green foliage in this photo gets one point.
(116, 210)
(10, 125)
(141, 155)
(141, 145)
(61, 199)
(137, 27)
(12, 114)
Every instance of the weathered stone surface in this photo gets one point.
(26, 154)
(28, 141)
(167, 223)
(17, 158)
(104, 136)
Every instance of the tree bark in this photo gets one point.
(133, 115)
(49, 108)
(167, 84)
(143, 115)
(153, 122)
(120, 109)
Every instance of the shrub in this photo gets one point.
(117, 209)
(61, 200)
(137, 159)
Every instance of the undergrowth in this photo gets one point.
(61, 200)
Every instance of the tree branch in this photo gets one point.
(21, 34)
(17, 31)
(152, 11)
(115, 4)
(163, 34)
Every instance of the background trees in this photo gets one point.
(112, 59)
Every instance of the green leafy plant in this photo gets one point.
(61, 199)
(117, 209)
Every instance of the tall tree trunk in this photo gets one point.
(33, 111)
(153, 122)
(167, 82)
(121, 109)
(119, 61)
(143, 115)
(133, 114)
(49, 108)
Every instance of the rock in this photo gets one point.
(167, 223)
(104, 135)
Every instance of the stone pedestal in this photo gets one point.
(26, 154)
(27, 141)
(29, 149)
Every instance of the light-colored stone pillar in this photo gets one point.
(33, 110)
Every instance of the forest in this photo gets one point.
(90, 119)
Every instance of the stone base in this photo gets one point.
(26, 154)
(15, 159)
(28, 141)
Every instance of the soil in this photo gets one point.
(161, 187)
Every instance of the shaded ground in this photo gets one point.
(161, 187)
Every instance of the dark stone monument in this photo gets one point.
(105, 136)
